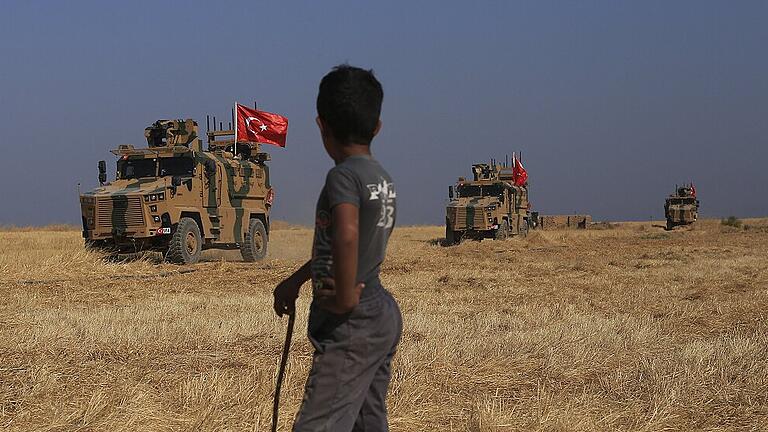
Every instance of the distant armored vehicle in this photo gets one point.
(489, 206)
(176, 198)
(682, 207)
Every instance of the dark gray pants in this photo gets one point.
(351, 367)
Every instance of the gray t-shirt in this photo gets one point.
(362, 182)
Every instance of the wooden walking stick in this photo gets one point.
(281, 370)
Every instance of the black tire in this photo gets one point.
(254, 246)
(502, 232)
(524, 228)
(186, 243)
(670, 225)
(451, 237)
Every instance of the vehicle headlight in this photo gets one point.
(153, 197)
(146, 198)
(161, 196)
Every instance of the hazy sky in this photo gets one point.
(611, 102)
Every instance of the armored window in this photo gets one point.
(469, 191)
(493, 190)
(177, 166)
(477, 191)
(135, 168)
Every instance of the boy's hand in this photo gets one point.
(286, 294)
(287, 291)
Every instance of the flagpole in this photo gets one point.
(234, 147)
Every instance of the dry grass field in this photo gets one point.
(626, 329)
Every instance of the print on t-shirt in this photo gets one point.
(384, 191)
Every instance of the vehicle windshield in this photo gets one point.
(682, 201)
(135, 168)
(478, 190)
(177, 166)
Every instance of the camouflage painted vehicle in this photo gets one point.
(489, 206)
(176, 198)
(682, 207)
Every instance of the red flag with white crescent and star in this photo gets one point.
(263, 127)
(519, 174)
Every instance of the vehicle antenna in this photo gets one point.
(214, 123)
(221, 125)
(207, 123)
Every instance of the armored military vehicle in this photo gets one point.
(489, 206)
(682, 207)
(174, 197)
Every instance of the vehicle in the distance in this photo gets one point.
(682, 207)
(488, 206)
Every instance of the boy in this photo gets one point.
(354, 323)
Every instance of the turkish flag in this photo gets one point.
(260, 126)
(519, 174)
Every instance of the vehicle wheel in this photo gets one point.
(186, 243)
(524, 228)
(254, 247)
(451, 237)
(502, 232)
(670, 225)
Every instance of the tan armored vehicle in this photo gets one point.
(489, 206)
(176, 198)
(682, 207)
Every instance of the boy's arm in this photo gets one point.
(345, 220)
(287, 291)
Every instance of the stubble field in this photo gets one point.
(628, 329)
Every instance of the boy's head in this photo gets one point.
(349, 105)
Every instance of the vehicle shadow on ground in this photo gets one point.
(438, 242)
(124, 258)
(442, 242)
